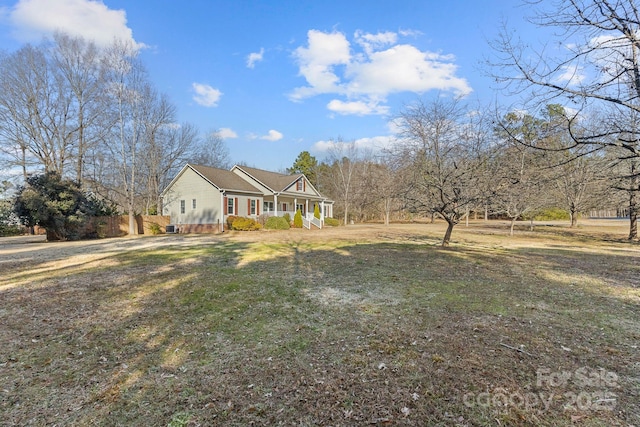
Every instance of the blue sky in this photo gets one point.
(280, 77)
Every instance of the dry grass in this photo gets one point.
(363, 325)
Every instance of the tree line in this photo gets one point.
(92, 115)
(451, 162)
(573, 141)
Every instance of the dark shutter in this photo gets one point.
(235, 205)
(225, 208)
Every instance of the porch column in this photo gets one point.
(275, 204)
(306, 208)
(295, 205)
(322, 208)
(223, 207)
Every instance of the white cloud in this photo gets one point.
(375, 143)
(206, 95)
(273, 135)
(227, 133)
(404, 68)
(571, 74)
(370, 42)
(252, 58)
(317, 62)
(410, 33)
(33, 19)
(366, 76)
(359, 108)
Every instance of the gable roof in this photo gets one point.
(276, 182)
(223, 179)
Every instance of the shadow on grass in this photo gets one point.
(236, 333)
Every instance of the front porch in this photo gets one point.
(279, 206)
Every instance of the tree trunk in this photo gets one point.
(53, 236)
(633, 216)
(573, 215)
(346, 213)
(132, 220)
(531, 224)
(447, 234)
(513, 223)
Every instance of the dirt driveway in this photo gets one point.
(24, 250)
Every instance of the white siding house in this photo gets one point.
(200, 198)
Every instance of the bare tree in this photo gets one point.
(598, 70)
(133, 101)
(343, 160)
(210, 151)
(443, 148)
(387, 184)
(523, 183)
(34, 111)
(77, 61)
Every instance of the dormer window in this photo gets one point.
(300, 185)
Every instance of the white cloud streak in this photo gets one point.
(252, 58)
(206, 95)
(33, 19)
(375, 143)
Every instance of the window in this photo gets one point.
(300, 185)
(267, 207)
(230, 210)
(300, 208)
(252, 207)
(193, 204)
(182, 206)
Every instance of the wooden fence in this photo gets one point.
(114, 226)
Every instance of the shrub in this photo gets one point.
(277, 223)
(155, 228)
(9, 223)
(297, 219)
(331, 222)
(59, 206)
(230, 220)
(551, 214)
(287, 218)
(245, 224)
(316, 211)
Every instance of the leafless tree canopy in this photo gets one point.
(93, 115)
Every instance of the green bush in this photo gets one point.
(552, 214)
(59, 206)
(297, 219)
(245, 224)
(316, 211)
(10, 230)
(287, 217)
(331, 222)
(155, 228)
(277, 223)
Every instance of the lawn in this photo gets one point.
(358, 325)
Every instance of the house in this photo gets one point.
(200, 198)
